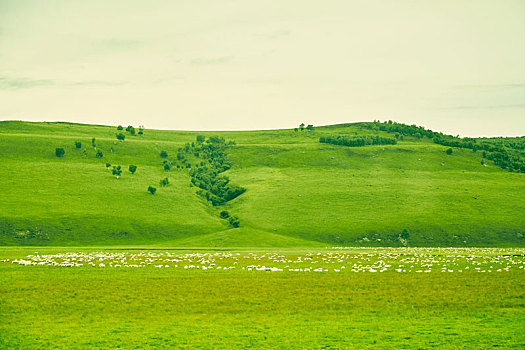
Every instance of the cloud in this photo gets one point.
(509, 106)
(27, 83)
(273, 35)
(211, 60)
(23, 83)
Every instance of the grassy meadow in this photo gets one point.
(299, 192)
(470, 298)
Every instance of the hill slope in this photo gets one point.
(299, 192)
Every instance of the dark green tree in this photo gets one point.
(164, 182)
(234, 221)
(132, 169)
(117, 170)
(152, 189)
(310, 127)
(78, 144)
(120, 128)
(121, 136)
(164, 154)
(301, 127)
(99, 154)
(449, 151)
(59, 152)
(93, 140)
(224, 214)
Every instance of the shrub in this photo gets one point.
(129, 128)
(200, 138)
(108, 165)
(120, 128)
(164, 154)
(117, 170)
(59, 152)
(78, 144)
(167, 167)
(449, 151)
(301, 127)
(152, 189)
(234, 221)
(310, 127)
(224, 214)
(132, 169)
(93, 140)
(404, 234)
(164, 182)
(121, 136)
(99, 154)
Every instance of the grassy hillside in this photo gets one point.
(299, 192)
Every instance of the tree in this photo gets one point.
(117, 170)
(167, 167)
(108, 165)
(164, 182)
(152, 189)
(129, 128)
(449, 151)
(296, 129)
(404, 234)
(132, 169)
(224, 214)
(141, 129)
(59, 152)
(234, 221)
(132, 131)
(93, 143)
(310, 127)
(120, 128)
(121, 136)
(78, 144)
(99, 154)
(301, 126)
(164, 154)
(201, 138)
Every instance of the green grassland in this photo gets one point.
(120, 307)
(300, 193)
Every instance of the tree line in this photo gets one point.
(506, 152)
(357, 141)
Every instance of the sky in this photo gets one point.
(456, 66)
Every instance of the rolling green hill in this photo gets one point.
(299, 192)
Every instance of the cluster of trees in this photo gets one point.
(232, 220)
(207, 175)
(506, 152)
(132, 130)
(357, 141)
(399, 129)
(301, 127)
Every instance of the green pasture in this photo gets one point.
(93, 307)
(300, 192)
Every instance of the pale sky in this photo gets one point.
(455, 66)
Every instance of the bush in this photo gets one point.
(121, 136)
(164, 154)
(99, 154)
(132, 169)
(152, 189)
(224, 214)
(119, 128)
(78, 144)
(108, 165)
(449, 151)
(117, 170)
(234, 221)
(93, 140)
(310, 127)
(59, 152)
(164, 182)
(167, 167)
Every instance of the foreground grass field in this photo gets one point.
(90, 306)
(300, 192)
